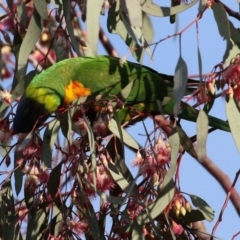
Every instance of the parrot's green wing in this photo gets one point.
(100, 77)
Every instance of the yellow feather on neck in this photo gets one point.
(75, 90)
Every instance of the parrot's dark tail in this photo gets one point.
(29, 112)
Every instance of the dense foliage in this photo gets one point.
(69, 178)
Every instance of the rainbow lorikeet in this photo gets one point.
(99, 77)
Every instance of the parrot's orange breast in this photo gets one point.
(75, 90)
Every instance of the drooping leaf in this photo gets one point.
(137, 231)
(121, 181)
(202, 5)
(180, 83)
(186, 142)
(93, 15)
(149, 7)
(199, 64)
(7, 210)
(202, 133)
(60, 51)
(67, 14)
(29, 41)
(126, 91)
(89, 212)
(233, 45)
(127, 26)
(18, 174)
(116, 26)
(25, 142)
(116, 151)
(221, 20)
(37, 223)
(233, 116)
(158, 206)
(22, 85)
(133, 10)
(49, 138)
(41, 7)
(235, 33)
(174, 142)
(135, 33)
(231, 51)
(66, 126)
(55, 222)
(147, 28)
(202, 206)
(10, 4)
(92, 151)
(53, 184)
(127, 139)
(139, 34)
(22, 14)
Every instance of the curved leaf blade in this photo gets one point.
(221, 20)
(202, 133)
(180, 83)
(127, 139)
(233, 116)
(49, 138)
(41, 7)
(93, 14)
(149, 7)
(29, 41)
(203, 207)
(134, 12)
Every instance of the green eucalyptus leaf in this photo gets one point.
(127, 139)
(93, 15)
(233, 116)
(33, 32)
(153, 9)
(202, 206)
(180, 83)
(202, 134)
(49, 138)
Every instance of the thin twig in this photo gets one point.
(225, 203)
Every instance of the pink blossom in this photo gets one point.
(232, 76)
(7, 24)
(79, 227)
(177, 228)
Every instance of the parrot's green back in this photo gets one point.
(103, 75)
(95, 77)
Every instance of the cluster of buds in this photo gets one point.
(205, 92)
(231, 77)
(180, 206)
